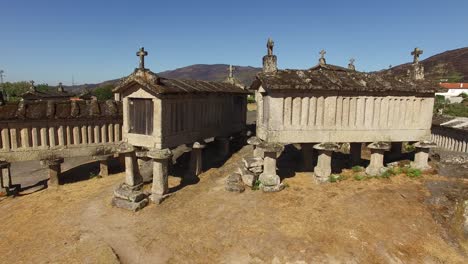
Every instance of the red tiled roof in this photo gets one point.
(454, 85)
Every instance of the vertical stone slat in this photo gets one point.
(34, 137)
(304, 112)
(345, 113)
(69, 135)
(287, 111)
(97, 134)
(329, 111)
(25, 137)
(117, 135)
(352, 111)
(110, 132)
(296, 112)
(6, 144)
(312, 111)
(376, 112)
(339, 112)
(360, 111)
(369, 112)
(89, 130)
(76, 135)
(13, 138)
(103, 133)
(61, 136)
(52, 142)
(319, 111)
(384, 112)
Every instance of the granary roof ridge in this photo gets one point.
(332, 77)
(162, 85)
(47, 110)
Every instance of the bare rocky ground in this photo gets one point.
(396, 220)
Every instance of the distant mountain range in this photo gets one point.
(451, 65)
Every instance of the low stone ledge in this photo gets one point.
(159, 154)
(330, 146)
(380, 145)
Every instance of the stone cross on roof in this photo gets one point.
(322, 60)
(270, 45)
(142, 53)
(231, 70)
(32, 88)
(351, 64)
(416, 52)
(60, 88)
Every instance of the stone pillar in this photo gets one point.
(355, 153)
(103, 163)
(223, 143)
(269, 180)
(323, 169)
(421, 155)
(376, 164)
(129, 195)
(5, 178)
(54, 165)
(255, 142)
(196, 162)
(160, 174)
(308, 156)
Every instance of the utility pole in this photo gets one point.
(1, 84)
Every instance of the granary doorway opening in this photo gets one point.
(141, 116)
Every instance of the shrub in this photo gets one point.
(256, 185)
(359, 177)
(357, 168)
(335, 178)
(413, 173)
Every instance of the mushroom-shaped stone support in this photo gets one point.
(5, 177)
(196, 162)
(269, 180)
(132, 178)
(323, 169)
(160, 173)
(421, 155)
(54, 165)
(376, 164)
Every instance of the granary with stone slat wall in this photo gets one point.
(332, 104)
(41, 129)
(180, 111)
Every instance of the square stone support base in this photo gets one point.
(323, 169)
(5, 178)
(129, 197)
(376, 162)
(421, 157)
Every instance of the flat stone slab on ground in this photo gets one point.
(128, 205)
(234, 183)
(126, 193)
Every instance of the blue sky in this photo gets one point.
(49, 41)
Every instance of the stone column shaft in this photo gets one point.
(160, 185)
(104, 168)
(130, 176)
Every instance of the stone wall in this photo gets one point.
(37, 130)
(291, 117)
(450, 138)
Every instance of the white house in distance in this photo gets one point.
(453, 90)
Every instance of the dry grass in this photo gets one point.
(372, 221)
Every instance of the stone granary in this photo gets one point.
(327, 104)
(160, 114)
(52, 130)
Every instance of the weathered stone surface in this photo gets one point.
(248, 178)
(128, 205)
(256, 170)
(275, 188)
(252, 162)
(128, 193)
(234, 183)
(269, 179)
